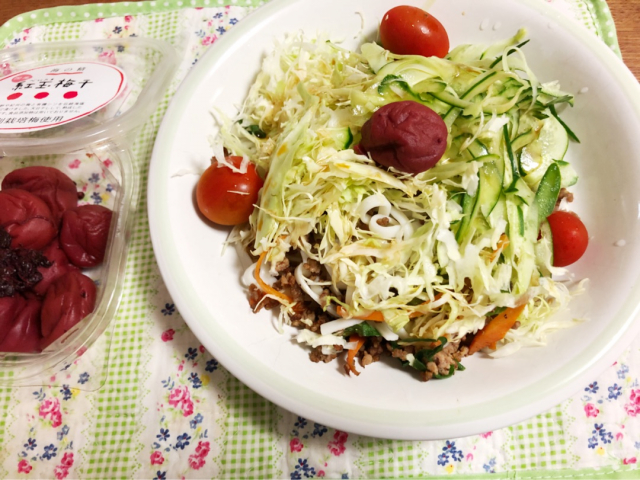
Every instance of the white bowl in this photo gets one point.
(386, 401)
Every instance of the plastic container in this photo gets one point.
(75, 106)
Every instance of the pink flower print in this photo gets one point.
(486, 435)
(24, 467)
(203, 449)
(321, 473)
(469, 457)
(340, 437)
(75, 164)
(67, 460)
(156, 458)
(167, 335)
(629, 461)
(187, 409)
(50, 409)
(336, 448)
(633, 408)
(181, 367)
(99, 19)
(201, 348)
(590, 410)
(181, 398)
(196, 462)
(5, 69)
(61, 472)
(107, 163)
(128, 18)
(295, 445)
(209, 39)
(108, 57)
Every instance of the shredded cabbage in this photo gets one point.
(391, 241)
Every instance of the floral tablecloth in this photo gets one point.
(149, 401)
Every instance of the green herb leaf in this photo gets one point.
(256, 131)
(363, 329)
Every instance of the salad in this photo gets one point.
(399, 203)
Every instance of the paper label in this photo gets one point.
(53, 95)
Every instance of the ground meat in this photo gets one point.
(313, 266)
(383, 222)
(282, 265)
(317, 356)
(564, 194)
(255, 300)
(323, 297)
(451, 354)
(306, 313)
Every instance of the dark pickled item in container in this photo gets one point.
(23, 334)
(27, 219)
(69, 299)
(49, 184)
(84, 234)
(20, 269)
(59, 265)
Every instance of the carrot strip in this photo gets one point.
(495, 330)
(264, 286)
(376, 316)
(351, 355)
(503, 243)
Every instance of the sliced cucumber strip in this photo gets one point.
(551, 144)
(567, 173)
(490, 188)
(548, 190)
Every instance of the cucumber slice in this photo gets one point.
(340, 137)
(490, 188)
(548, 191)
(551, 144)
(568, 175)
(470, 211)
(523, 140)
(478, 149)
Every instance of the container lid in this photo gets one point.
(58, 97)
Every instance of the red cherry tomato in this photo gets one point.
(570, 238)
(406, 30)
(226, 197)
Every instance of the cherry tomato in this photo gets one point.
(570, 238)
(218, 194)
(406, 30)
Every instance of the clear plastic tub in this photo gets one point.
(91, 145)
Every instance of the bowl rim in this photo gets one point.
(541, 395)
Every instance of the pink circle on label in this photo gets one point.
(13, 96)
(41, 95)
(21, 78)
(70, 95)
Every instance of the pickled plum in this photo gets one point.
(407, 136)
(84, 234)
(52, 186)
(69, 299)
(23, 334)
(9, 309)
(59, 266)
(27, 219)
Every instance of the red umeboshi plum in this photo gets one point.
(49, 184)
(27, 219)
(84, 234)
